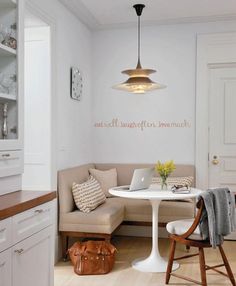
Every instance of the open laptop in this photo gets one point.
(141, 179)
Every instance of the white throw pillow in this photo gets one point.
(107, 179)
(88, 195)
(175, 181)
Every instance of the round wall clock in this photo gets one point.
(76, 84)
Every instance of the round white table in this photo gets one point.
(154, 262)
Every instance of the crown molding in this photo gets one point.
(81, 12)
(77, 8)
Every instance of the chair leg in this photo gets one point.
(202, 266)
(227, 266)
(64, 246)
(171, 259)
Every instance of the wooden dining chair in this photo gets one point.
(191, 237)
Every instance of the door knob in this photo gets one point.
(215, 161)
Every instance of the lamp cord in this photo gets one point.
(138, 65)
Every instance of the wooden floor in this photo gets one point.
(130, 248)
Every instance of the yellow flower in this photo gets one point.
(165, 169)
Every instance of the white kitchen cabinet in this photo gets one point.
(32, 261)
(11, 74)
(27, 247)
(11, 94)
(5, 268)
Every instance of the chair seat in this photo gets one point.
(179, 227)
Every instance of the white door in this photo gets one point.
(5, 268)
(222, 129)
(32, 260)
(37, 115)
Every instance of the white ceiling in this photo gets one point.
(102, 14)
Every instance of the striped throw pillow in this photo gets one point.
(88, 195)
(175, 181)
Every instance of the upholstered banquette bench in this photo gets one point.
(107, 217)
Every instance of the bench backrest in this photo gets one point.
(124, 175)
(125, 171)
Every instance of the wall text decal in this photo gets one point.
(142, 125)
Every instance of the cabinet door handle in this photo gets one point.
(2, 230)
(19, 251)
(6, 155)
(39, 211)
(1, 265)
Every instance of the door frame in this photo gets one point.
(213, 50)
(51, 22)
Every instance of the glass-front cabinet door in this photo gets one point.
(11, 74)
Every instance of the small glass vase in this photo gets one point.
(164, 183)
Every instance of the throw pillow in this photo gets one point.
(175, 180)
(88, 195)
(107, 179)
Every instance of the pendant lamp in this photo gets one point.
(139, 81)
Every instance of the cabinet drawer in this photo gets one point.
(11, 163)
(5, 233)
(31, 221)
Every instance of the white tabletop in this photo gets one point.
(154, 192)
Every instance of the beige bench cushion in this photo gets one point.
(181, 226)
(107, 179)
(173, 210)
(141, 210)
(104, 219)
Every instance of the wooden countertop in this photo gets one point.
(17, 202)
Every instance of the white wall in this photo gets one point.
(73, 118)
(171, 49)
(37, 110)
